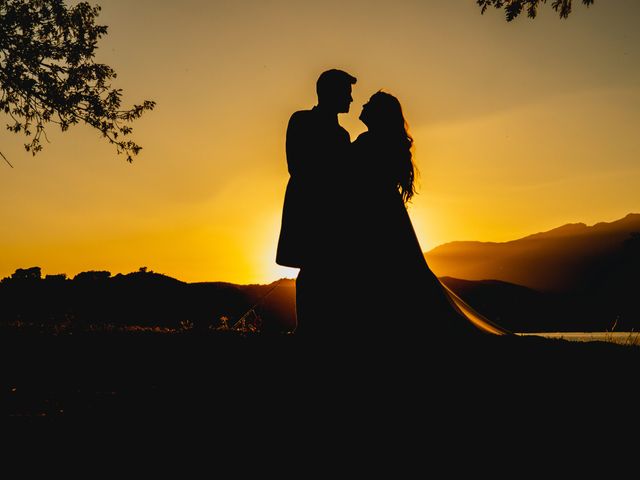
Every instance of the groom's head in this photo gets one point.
(334, 90)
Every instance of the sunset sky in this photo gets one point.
(519, 127)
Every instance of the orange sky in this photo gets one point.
(519, 127)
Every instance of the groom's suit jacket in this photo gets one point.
(317, 148)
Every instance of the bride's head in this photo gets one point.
(383, 116)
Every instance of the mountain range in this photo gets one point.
(571, 258)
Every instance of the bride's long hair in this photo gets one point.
(386, 119)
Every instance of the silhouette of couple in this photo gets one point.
(345, 225)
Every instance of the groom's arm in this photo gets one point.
(297, 143)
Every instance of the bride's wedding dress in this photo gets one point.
(393, 285)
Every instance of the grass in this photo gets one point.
(152, 371)
(631, 339)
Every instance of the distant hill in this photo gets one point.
(145, 299)
(571, 258)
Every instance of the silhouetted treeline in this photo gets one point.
(605, 299)
(98, 300)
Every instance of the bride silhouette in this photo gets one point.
(394, 289)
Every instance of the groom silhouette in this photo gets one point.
(313, 213)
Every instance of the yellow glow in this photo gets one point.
(514, 135)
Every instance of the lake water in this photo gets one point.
(624, 338)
